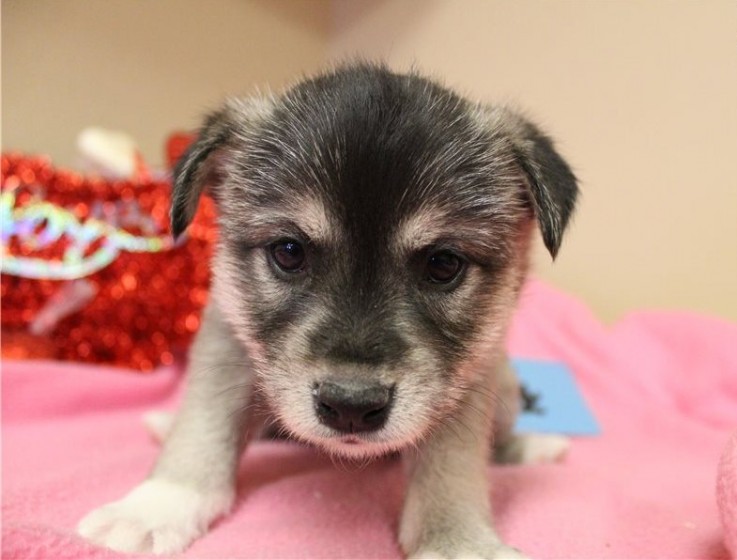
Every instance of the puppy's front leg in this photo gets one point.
(193, 481)
(447, 511)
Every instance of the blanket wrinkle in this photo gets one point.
(662, 384)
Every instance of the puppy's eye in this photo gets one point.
(443, 267)
(288, 255)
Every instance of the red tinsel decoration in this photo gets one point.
(147, 305)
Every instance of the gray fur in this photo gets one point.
(371, 173)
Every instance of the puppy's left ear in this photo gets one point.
(551, 185)
(201, 166)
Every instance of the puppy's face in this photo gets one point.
(374, 234)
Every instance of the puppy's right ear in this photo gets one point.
(551, 186)
(201, 166)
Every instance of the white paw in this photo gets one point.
(542, 448)
(158, 423)
(157, 517)
(467, 551)
(533, 449)
(454, 540)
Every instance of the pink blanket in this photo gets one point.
(663, 386)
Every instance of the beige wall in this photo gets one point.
(641, 96)
(143, 66)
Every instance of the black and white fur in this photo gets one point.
(373, 174)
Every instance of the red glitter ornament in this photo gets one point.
(145, 306)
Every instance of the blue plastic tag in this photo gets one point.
(551, 400)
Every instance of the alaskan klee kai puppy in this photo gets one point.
(375, 230)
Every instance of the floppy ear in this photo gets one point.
(196, 169)
(552, 187)
(201, 165)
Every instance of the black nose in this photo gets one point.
(352, 407)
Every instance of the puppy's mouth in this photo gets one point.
(358, 446)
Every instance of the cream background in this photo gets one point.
(641, 95)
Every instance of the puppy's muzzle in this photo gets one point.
(352, 407)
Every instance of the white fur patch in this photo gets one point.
(314, 220)
(421, 229)
(156, 517)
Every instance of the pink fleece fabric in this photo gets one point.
(727, 493)
(663, 386)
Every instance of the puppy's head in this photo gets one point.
(374, 235)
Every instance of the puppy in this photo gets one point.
(375, 230)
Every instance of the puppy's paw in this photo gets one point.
(454, 540)
(533, 449)
(466, 550)
(157, 517)
(159, 424)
